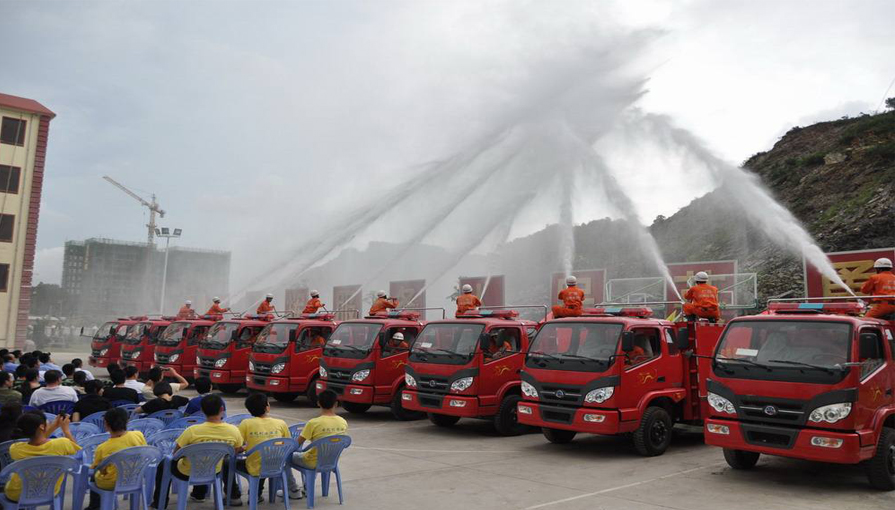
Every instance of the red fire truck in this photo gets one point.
(223, 354)
(362, 367)
(285, 360)
(176, 347)
(105, 348)
(809, 381)
(469, 368)
(614, 371)
(138, 348)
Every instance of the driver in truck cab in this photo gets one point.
(382, 303)
(702, 300)
(314, 303)
(266, 306)
(216, 308)
(498, 344)
(186, 311)
(467, 300)
(396, 344)
(881, 284)
(572, 300)
(641, 350)
(317, 338)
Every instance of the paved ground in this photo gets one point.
(394, 465)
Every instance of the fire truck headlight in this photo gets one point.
(198, 360)
(103, 352)
(220, 363)
(360, 375)
(461, 384)
(409, 381)
(721, 404)
(136, 353)
(276, 369)
(830, 413)
(174, 358)
(323, 372)
(154, 357)
(251, 366)
(599, 395)
(528, 390)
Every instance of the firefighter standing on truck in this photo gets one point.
(467, 300)
(881, 284)
(572, 300)
(216, 308)
(382, 303)
(186, 311)
(314, 303)
(266, 306)
(702, 300)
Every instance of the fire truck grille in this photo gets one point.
(557, 415)
(207, 362)
(776, 411)
(772, 437)
(126, 354)
(262, 368)
(162, 358)
(95, 352)
(339, 375)
(432, 384)
(561, 394)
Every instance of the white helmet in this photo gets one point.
(381, 293)
(269, 296)
(467, 289)
(398, 336)
(188, 302)
(571, 281)
(882, 263)
(701, 276)
(314, 293)
(216, 299)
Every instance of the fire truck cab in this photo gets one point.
(223, 354)
(138, 348)
(469, 368)
(809, 381)
(363, 366)
(285, 360)
(616, 371)
(176, 347)
(105, 348)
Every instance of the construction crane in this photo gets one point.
(152, 206)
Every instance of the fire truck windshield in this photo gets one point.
(785, 350)
(136, 332)
(575, 346)
(219, 335)
(352, 340)
(447, 343)
(273, 339)
(173, 335)
(104, 332)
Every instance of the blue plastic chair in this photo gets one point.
(198, 413)
(204, 458)
(5, 459)
(236, 419)
(88, 447)
(147, 426)
(186, 421)
(58, 407)
(275, 454)
(39, 476)
(296, 429)
(79, 430)
(166, 416)
(98, 419)
(131, 466)
(329, 449)
(122, 403)
(165, 441)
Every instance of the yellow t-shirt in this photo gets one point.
(318, 428)
(207, 433)
(105, 479)
(258, 430)
(19, 451)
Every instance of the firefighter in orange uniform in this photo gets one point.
(702, 300)
(382, 303)
(186, 311)
(216, 308)
(881, 284)
(314, 303)
(498, 345)
(572, 300)
(266, 306)
(467, 300)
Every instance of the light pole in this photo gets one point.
(167, 234)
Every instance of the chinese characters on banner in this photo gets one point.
(494, 294)
(296, 299)
(591, 281)
(681, 272)
(340, 301)
(405, 290)
(854, 267)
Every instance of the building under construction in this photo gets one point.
(104, 278)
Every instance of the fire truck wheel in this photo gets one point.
(311, 393)
(443, 420)
(881, 467)
(558, 436)
(505, 421)
(230, 388)
(740, 459)
(653, 435)
(355, 407)
(398, 411)
(284, 397)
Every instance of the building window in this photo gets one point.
(4, 277)
(7, 221)
(12, 131)
(9, 179)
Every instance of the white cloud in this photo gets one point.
(48, 265)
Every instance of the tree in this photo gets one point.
(890, 103)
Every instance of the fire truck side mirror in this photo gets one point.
(627, 341)
(292, 335)
(234, 335)
(868, 347)
(682, 341)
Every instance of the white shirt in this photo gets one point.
(134, 384)
(89, 373)
(43, 395)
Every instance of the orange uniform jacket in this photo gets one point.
(467, 302)
(403, 345)
(880, 284)
(264, 307)
(572, 297)
(185, 312)
(313, 305)
(493, 349)
(216, 309)
(702, 301)
(382, 304)
(318, 341)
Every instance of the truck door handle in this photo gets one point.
(661, 379)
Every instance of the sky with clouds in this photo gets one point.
(254, 121)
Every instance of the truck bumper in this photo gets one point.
(451, 405)
(272, 384)
(360, 393)
(98, 362)
(798, 442)
(221, 376)
(583, 419)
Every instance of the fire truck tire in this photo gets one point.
(284, 397)
(230, 388)
(653, 435)
(311, 393)
(741, 459)
(558, 436)
(356, 407)
(505, 421)
(398, 411)
(443, 420)
(881, 467)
